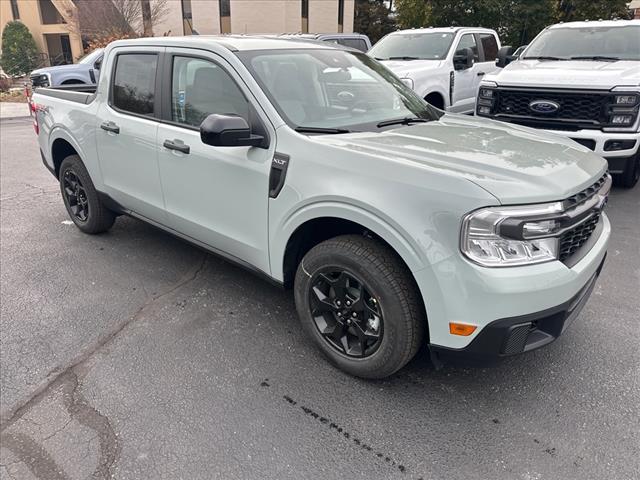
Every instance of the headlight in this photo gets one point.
(486, 99)
(510, 236)
(622, 119)
(626, 100)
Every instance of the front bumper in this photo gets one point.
(602, 143)
(514, 335)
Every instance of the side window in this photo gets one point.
(490, 46)
(199, 88)
(357, 43)
(134, 82)
(468, 40)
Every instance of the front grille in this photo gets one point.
(39, 80)
(573, 239)
(576, 110)
(587, 193)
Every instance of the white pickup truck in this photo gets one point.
(580, 80)
(442, 65)
(396, 224)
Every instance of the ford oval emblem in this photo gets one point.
(544, 106)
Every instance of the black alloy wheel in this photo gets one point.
(345, 312)
(76, 195)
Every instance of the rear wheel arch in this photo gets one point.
(61, 149)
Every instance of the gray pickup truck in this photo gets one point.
(396, 224)
(86, 72)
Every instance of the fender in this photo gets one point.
(385, 228)
(60, 131)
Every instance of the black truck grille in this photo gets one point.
(573, 239)
(576, 110)
(39, 80)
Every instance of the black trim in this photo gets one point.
(514, 335)
(69, 93)
(44, 162)
(618, 165)
(278, 174)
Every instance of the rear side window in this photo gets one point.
(134, 83)
(490, 46)
(357, 43)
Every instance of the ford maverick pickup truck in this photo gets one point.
(395, 224)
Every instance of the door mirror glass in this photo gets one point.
(98, 64)
(505, 57)
(229, 131)
(463, 59)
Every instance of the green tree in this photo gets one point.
(576, 10)
(372, 18)
(19, 51)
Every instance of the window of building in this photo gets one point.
(304, 28)
(340, 16)
(199, 88)
(187, 17)
(468, 40)
(14, 10)
(490, 46)
(134, 83)
(225, 16)
(49, 13)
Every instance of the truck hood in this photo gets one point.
(576, 74)
(404, 68)
(57, 68)
(515, 164)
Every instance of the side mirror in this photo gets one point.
(505, 57)
(229, 131)
(463, 59)
(97, 64)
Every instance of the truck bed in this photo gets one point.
(83, 94)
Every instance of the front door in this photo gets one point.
(465, 81)
(216, 195)
(126, 131)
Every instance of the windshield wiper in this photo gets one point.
(403, 58)
(402, 121)
(596, 58)
(321, 130)
(543, 57)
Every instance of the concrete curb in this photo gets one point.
(9, 110)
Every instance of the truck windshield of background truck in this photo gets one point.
(587, 43)
(415, 46)
(334, 91)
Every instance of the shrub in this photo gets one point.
(5, 84)
(19, 51)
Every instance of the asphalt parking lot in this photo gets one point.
(134, 355)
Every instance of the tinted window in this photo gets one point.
(469, 41)
(356, 43)
(490, 46)
(200, 88)
(134, 83)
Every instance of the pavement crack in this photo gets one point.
(77, 406)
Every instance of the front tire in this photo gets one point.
(360, 305)
(631, 174)
(81, 198)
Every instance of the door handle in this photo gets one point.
(177, 145)
(480, 74)
(110, 127)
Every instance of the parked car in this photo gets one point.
(443, 65)
(359, 41)
(396, 224)
(83, 72)
(580, 80)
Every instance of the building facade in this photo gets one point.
(210, 17)
(53, 24)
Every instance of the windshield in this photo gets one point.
(422, 46)
(91, 57)
(333, 89)
(612, 43)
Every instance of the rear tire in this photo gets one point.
(363, 281)
(631, 174)
(81, 198)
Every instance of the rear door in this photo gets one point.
(127, 124)
(215, 195)
(489, 46)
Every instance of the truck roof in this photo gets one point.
(596, 24)
(230, 42)
(441, 30)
